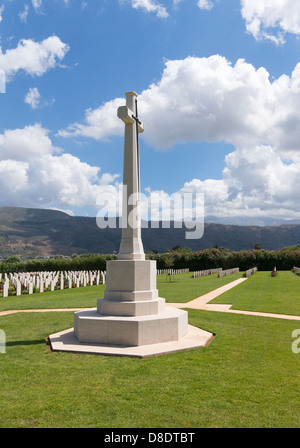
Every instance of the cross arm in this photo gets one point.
(126, 115)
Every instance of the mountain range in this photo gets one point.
(29, 233)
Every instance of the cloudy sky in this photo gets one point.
(219, 94)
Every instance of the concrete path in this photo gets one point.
(5, 313)
(200, 303)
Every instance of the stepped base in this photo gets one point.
(66, 341)
(130, 308)
(92, 327)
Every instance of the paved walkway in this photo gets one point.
(198, 303)
(5, 313)
(201, 303)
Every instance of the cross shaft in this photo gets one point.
(131, 247)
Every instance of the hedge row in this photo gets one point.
(81, 263)
(264, 260)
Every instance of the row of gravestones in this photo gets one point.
(250, 272)
(41, 281)
(172, 271)
(228, 272)
(206, 272)
(222, 273)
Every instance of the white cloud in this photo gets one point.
(99, 123)
(27, 144)
(33, 173)
(209, 99)
(205, 4)
(150, 6)
(202, 4)
(37, 4)
(13, 178)
(108, 178)
(255, 183)
(33, 98)
(204, 99)
(24, 14)
(271, 19)
(35, 58)
(1, 12)
(2, 81)
(67, 211)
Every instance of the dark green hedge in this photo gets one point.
(80, 263)
(264, 260)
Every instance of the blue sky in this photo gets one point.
(219, 95)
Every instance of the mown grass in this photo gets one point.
(185, 288)
(83, 297)
(261, 292)
(247, 377)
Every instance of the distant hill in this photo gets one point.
(35, 232)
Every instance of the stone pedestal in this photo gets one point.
(95, 328)
(131, 313)
(130, 280)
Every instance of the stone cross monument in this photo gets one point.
(131, 280)
(131, 319)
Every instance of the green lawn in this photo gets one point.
(186, 288)
(84, 297)
(247, 377)
(261, 292)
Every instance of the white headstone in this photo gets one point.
(30, 288)
(5, 288)
(61, 281)
(18, 288)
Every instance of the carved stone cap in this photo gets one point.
(131, 93)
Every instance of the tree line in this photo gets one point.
(84, 262)
(264, 260)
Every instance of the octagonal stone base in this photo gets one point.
(131, 320)
(92, 327)
(66, 341)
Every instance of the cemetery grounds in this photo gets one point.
(247, 377)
